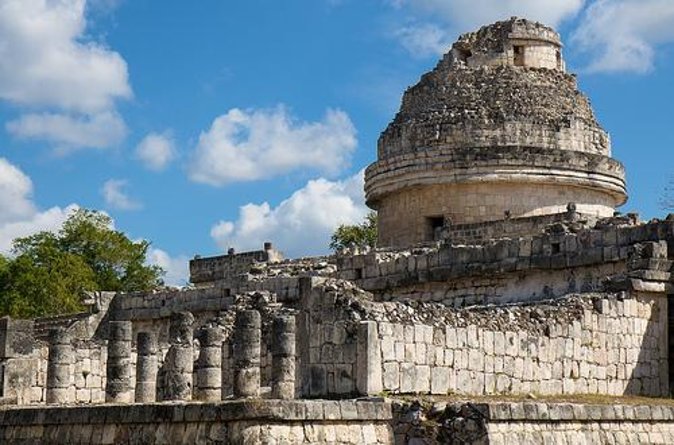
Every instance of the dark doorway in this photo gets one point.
(434, 225)
(519, 55)
(559, 60)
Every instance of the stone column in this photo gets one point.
(146, 368)
(283, 357)
(227, 368)
(246, 351)
(59, 367)
(118, 368)
(178, 366)
(368, 359)
(209, 365)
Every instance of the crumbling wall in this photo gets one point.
(494, 45)
(589, 344)
(228, 267)
(581, 344)
(507, 227)
(327, 339)
(532, 422)
(507, 270)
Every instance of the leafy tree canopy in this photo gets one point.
(363, 234)
(50, 272)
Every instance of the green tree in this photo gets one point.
(50, 272)
(118, 263)
(4, 274)
(363, 234)
(44, 280)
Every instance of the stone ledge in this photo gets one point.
(519, 164)
(572, 412)
(254, 409)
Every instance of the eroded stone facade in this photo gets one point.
(501, 271)
(497, 128)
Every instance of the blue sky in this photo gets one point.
(200, 125)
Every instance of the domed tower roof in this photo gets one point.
(497, 127)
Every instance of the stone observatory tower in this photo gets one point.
(497, 130)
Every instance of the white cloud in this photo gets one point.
(156, 150)
(466, 15)
(176, 268)
(50, 220)
(114, 193)
(621, 34)
(256, 144)
(300, 225)
(424, 39)
(46, 60)
(68, 82)
(19, 217)
(436, 23)
(18, 214)
(99, 130)
(16, 190)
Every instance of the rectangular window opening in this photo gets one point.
(434, 225)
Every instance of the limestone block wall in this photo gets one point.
(604, 345)
(541, 55)
(613, 344)
(508, 288)
(24, 371)
(476, 233)
(327, 343)
(87, 375)
(576, 136)
(507, 270)
(159, 305)
(533, 54)
(205, 270)
(493, 45)
(88, 370)
(404, 217)
(534, 423)
(236, 423)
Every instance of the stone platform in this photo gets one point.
(251, 421)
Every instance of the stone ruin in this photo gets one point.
(507, 301)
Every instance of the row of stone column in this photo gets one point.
(173, 381)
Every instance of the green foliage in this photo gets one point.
(50, 272)
(363, 234)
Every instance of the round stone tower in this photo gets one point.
(497, 130)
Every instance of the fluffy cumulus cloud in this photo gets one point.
(176, 268)
(47, 63)
(621, 34)
(71, 132)
(245, 145)
(156, 150)
(115, 194)
(15, 193)
(18, 214)
(301, 224)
